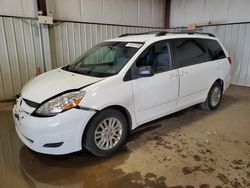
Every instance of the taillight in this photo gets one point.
(229, 60)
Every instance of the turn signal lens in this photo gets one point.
(73, 104)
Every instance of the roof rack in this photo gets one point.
(162, 33)
(145, 33)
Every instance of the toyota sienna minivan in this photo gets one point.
(118, 85)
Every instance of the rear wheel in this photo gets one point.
(214, 98)
(106, 133)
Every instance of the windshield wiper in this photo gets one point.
(86, 72)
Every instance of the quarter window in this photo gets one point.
(215, 51)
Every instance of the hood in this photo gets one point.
(54, 82)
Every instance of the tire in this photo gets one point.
(109, 124)
(212, 102)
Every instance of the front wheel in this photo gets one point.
(106, 133)
(214, 98)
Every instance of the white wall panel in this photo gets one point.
(24, 8)
(236, 40)
(145, 12)
(202, 12)
(12, 55)
(158, 16)
(148, 13)
(44, 47)
(239, 54)
(7, 86)
(112, 11)
(130, 12)
(29, 45)
(238, 11)
(92, 11)
(20, 54)
(65, 9)
(21, 49)
(245, 58)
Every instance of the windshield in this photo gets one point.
(104, 59)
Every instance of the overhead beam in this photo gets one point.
(41, 5)
(167, 14)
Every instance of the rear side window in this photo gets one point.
(188, 51)
(215, 51)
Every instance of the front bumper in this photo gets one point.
(60, 134)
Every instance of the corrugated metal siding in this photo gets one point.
(20, 54)
(146, 13)
(236, 40)
(203, 12)
(21, 51)
(69, 40)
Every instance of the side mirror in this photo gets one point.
(145, 71)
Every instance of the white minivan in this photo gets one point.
(118, 85)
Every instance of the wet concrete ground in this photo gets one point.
(191, 148)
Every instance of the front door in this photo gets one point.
(157, 95)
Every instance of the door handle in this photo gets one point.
(183, 73)
(173, 76)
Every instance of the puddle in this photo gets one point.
(21, 167)
(191, 148)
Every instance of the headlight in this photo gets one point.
(61, 103)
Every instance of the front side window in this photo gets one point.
(156, 56)
(189, 51)
(105, 59)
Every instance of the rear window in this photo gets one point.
(189, 51)
(215, 51)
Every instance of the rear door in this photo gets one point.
(196, 73)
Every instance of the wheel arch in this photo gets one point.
(221, 82)
(125, 112)
(119, 108)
